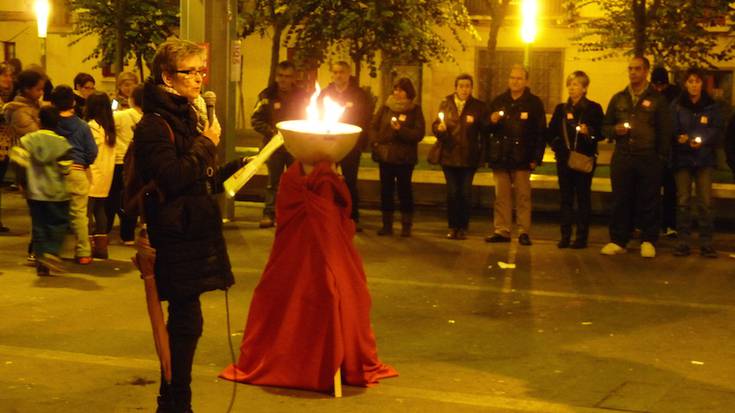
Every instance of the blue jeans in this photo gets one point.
(702, 179)
(459, 195)
(49, 223)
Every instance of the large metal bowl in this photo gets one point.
(311, 142)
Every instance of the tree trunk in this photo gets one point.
(498, 11)
(275, 51)
(120, 37)
(139, 61)
(639, 29)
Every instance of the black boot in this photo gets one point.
(406, 223)
(387, 224)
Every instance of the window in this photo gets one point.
(550, 8)
(546, 75)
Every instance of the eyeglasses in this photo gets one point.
(190, 73)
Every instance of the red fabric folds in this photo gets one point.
(310, 313)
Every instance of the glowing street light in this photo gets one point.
(529, 28)
(43, 10)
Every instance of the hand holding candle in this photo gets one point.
(442, 127)
(496, 116)
(394, 123)
(696, 142)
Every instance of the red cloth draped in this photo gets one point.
(310, 313)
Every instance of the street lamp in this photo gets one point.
(43, 10)
(529, 29)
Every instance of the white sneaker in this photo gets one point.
(648, 250)
(612, 248)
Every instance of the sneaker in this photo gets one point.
(266, 222)
(31, 258)
(51, 262)
(564, 243)
(648, 250)
(525, 240)
(682, 250)
(497, 238)
(708, 252)
(671, 233)
(612, 248)
(83, 260)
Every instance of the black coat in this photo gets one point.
(519, 138)
(397, 147)
(358, 108)
(274, 106)
(184, 222)
(461, 143)
(569, 116)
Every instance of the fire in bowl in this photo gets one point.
(312, 141)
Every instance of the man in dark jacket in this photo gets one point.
(518, 127)
(358, 105)
(660, 82)
(639, 120)
(281, 101)
(83, 153)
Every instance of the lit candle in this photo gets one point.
(501, 113)
(697, 140)
(394, 119)
(627, 125)
(578, 128)
(441, 117)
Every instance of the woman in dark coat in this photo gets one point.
(582, 119)
(173, 149)
(699, 127)
(460, 135)
(397, 129)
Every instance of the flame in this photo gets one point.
(331, 110)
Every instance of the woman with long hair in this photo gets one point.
(98, 114)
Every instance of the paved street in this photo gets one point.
(565, 331)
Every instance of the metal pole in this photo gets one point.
(527, 57)
(43, 54)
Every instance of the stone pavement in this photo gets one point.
(565, 331)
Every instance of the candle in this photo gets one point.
(578, 128)
(501, 113)
(627, 125)
(441, 117)
(394, 119)
(697, 140)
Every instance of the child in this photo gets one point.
(45, 155)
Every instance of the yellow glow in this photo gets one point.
(43, 10)
(332, 110)
(529, 13)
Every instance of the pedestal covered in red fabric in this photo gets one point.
(310, 313)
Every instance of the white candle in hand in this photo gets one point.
(501, 113)
(627, 125)
(441, 117)
(697, 140)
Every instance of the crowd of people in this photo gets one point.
(80, 187)
(665, 141)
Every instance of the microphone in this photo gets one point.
(210, 98)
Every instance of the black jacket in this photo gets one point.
(702, 119)
(519, 138)
(569, 116)
(730, 143)
(358, 108)
(184, 222)
(397, 147)
(461, 143)
(274, 106)
(650, 120)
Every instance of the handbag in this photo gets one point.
(435, 153)
(577, 161)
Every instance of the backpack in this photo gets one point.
(135, 189)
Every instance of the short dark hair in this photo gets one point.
(62, 97)
(464, 76)
(694, 71)
(137, 95)
(285, 65)
(82, 79)
(405, 85)
(644, 59)
(49, 116)
(28, 79)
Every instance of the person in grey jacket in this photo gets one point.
(639, 120)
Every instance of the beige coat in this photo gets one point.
(104, 165)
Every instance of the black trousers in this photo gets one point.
(636, 189)
(114, 207)
(392, 175)
(668, 201)
(574, 185)
(97, 213)
(350, 165)
(459, 195)
(185, 324)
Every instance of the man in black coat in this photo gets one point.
(358, 105)
(280, 101)
(518, 127)
(639, 120)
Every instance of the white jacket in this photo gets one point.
(104, 166)
(125, 121)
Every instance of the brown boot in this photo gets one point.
(99, 248)
(406, 224)
(387, 224)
